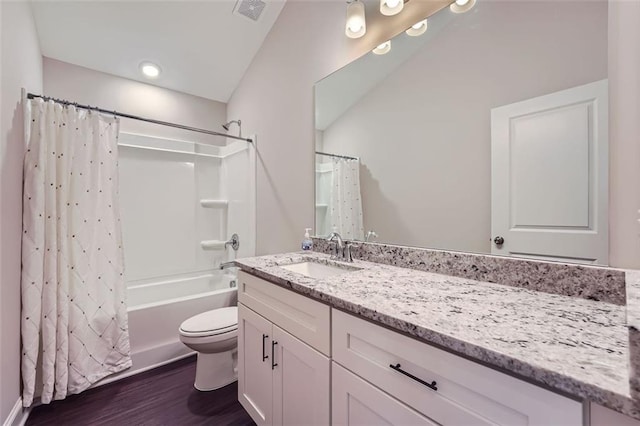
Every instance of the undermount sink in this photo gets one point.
(317, 270)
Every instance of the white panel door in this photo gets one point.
(255, 383)
(300, 382)
(357, 403)
(549, 175)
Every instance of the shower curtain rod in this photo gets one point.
(135, 117)
(337, 156)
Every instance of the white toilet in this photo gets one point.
(214, 335)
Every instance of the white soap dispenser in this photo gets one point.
(307, 243)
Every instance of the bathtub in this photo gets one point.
(157, 309)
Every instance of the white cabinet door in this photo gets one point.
(255, 383)
(357, 403)
(549, 176)
(300, 382)
(304, 318)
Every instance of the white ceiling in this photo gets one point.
(202, 47)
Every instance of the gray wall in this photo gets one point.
(86, 86)
(624, 133)
(275, 101)
(21, 66)
(307, 43)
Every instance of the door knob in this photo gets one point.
(498, 241)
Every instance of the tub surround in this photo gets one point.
(528, 333)
(587, 282)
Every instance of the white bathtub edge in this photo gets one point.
(149, 359)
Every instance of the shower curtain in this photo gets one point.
(346, 204)
(74, 313)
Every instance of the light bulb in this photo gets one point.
(418, 28)
(149, 69)
(382, 48)
(391, 7)
(461, 6)
(356, 25)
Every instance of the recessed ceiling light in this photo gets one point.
(418, 28)
(461, 6)
(382, 48)
(149, 69)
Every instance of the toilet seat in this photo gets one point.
(211, 323)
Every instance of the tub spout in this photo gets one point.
(226, 265)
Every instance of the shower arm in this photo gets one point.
(226, 126)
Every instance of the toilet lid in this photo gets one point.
(216, 321)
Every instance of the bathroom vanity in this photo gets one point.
(325, 342)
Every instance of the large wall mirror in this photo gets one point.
(487, 133)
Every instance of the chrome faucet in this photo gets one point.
(226, 265)
(234, 242)
(342, 249)
(334, 236)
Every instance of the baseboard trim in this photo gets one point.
(18, 415)
(149, 359)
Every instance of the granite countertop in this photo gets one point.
(573, 345)
(633, 299)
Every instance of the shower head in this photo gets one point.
(227, 125)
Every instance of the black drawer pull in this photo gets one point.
(431, 385)
(264, 355)
(273, 356)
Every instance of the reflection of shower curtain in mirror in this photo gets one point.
(74, 311)
(346, 202)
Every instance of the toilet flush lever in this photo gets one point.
(264, 355)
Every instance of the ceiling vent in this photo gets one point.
(251, 9)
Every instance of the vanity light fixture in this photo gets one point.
(418, 28)
(382, 48)
(150, 70)
(356, 23)
(462, 6)
(391, 7)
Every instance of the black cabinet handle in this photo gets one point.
(264, 355)
(273, 356)
(431, 385)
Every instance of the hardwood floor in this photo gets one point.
(163, 396)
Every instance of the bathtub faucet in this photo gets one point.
(227, 265)
(234, 242)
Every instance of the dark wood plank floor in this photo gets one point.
(163, 396)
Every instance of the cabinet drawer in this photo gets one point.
(357, 403)
(467, 392)
(304, 318)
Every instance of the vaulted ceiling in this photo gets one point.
(202, 47)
